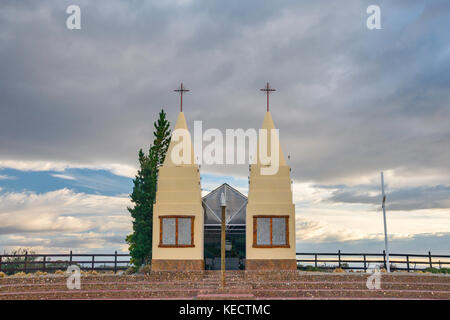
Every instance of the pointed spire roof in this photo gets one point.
(268, 125)
(180, 124)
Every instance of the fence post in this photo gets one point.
(365, 264)
(26, 262)
(384, 259)
(339, 255)
(43, 263)
(429, 257)
(0, 262)
(115, 262)
(93, 262)
(70, 259)
(407, 262)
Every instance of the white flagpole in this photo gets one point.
(383, 205)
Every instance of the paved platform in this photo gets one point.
(241, 285)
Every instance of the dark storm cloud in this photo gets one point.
(350, 101)
(418, 243)
(415, 198)
(65, 241)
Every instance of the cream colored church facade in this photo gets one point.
(178, 216)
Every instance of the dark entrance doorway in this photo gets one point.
(235, 228)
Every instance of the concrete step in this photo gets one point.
(264, 277)
(104, 294)
(239, 285)
(120, 285)
(348, 276)
(225, 296)
(354, 293)
(267, 285)
(272, 285)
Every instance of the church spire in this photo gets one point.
(177, 212)
(268, 125)
(182, 132)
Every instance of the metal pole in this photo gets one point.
(222, 254)
(388, 267)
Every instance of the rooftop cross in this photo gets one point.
(268, 90)
(181, 90)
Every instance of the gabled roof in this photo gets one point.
(236, 206)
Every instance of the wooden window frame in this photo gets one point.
(255, 232)
(176, 245)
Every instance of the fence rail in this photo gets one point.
(121, 261)
(363, 261)
(10, 263)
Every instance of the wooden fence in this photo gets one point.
(364, 261)
(115, 262)
(51, 262)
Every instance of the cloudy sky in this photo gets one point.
(76, 106)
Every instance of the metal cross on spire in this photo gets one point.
(181, 90)
(267, 89)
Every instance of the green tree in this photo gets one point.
(144, 193)
(16, 264)
(162, 138)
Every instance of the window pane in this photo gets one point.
(184, 231)
(168, 230)
(263, 231)
(279, 231)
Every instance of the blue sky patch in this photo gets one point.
(88, 181)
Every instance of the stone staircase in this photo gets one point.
(240, 285)
(236, 287)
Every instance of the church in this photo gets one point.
(260, 229)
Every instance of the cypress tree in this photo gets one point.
(162, 138)
(144, 193)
